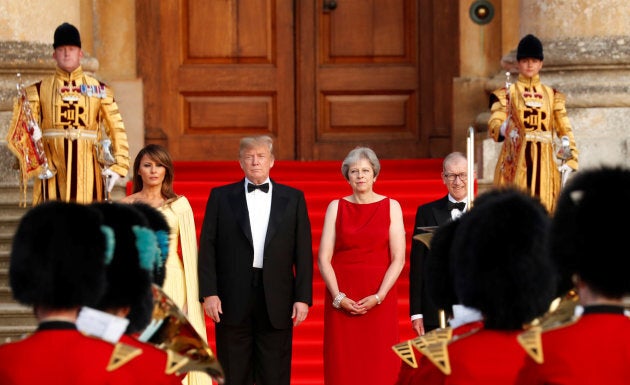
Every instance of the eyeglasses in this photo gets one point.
(451, 177)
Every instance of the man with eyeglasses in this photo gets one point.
(424, 314)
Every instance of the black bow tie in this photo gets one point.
(456, 205)
(263, 187)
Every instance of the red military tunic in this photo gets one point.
(152, 366)
(57, 353)
(593, 350)
(478, 356)
(409, 373)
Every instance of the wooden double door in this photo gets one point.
(319, 76)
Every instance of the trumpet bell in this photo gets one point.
(424, 238)
(171, 331)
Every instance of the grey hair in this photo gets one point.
(452, 157)
(357, 154)
(255, 141)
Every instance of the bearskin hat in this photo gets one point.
(58, 256)
(67, 34)
(583, 239)
(129, 273)
(500, 259)
(159, 224)
(529, 47)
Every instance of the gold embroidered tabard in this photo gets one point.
(537, 118)
(74, 111)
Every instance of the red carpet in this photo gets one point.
(411, 181)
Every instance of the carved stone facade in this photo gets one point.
(587, 57)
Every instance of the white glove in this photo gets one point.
(565, 169)
(503, 127)
(111, 178)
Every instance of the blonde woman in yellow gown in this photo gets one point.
(153, 185)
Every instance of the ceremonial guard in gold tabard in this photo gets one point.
(529, 117)
(76, 113)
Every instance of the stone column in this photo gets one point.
(587, 57)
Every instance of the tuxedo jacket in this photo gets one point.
(226, 253)
(434, 213)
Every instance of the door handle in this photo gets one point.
(330, 5)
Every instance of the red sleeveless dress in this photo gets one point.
(358, 349)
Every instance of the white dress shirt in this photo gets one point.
(258, 207)
(455, 213)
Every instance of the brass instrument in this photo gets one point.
(426, 236)
(24, 140)
(561, 311)
(514, 134)
(34, 132)
(171, 331)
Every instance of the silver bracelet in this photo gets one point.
(378, 299)
(337, 301)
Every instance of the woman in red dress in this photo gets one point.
(361, 255)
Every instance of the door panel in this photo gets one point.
(320, 81)
(224, 77)
(365, 89)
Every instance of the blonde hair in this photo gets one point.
(255, 141)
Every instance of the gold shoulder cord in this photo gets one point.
(404, 351)
(437, 352)
(561, 313)
(436, 349)
(176, 362)
(429, 345)
(122, 354)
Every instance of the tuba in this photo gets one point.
(170, 330)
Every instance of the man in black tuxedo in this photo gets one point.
(256, 269)
(424, 314)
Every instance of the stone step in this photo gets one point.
(10, 194)
(13, 314)
(4, 261)
(14, 333)
(6, 241)
(12, 210)
(16, 320)
(6, 295)
(9, 222)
